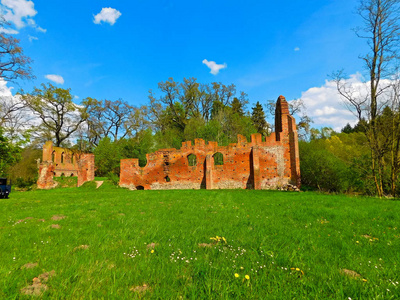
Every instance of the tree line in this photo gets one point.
(364, 158)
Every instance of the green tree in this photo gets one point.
(9, 154)
(24, 173)
(258, 118)
(107, 157)
(60, 116)
(237, 107)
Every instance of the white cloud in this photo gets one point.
(8, 31)
(326, 107)
(297, 49)
(32, 38)
(20, 13)
(55, 78)
(214, 67)
(15, 121)
(107, 15)
(5, 91)
(38, 28)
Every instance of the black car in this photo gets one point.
(5, 189)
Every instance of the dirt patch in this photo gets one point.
(20, 221)
(38, 287)
(81, 247)
(56, 226)
(35, 289)
(98, 184)
(367, 236)
(45, 276)
(29, 266)
(350, 273)
(140, 288)
(204, 245)
(58, 217)
(152, 245)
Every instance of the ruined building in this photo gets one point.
(64, 162)
(258, 164)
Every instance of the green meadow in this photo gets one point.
(112, 243)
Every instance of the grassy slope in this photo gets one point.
(267, 233)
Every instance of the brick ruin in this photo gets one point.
(59, 162)
(269, 164)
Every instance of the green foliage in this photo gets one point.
(25, 172)
(237, 107)
(336, 164)
(9, 154)
(258, 118)
(192, 160)
(218, 159)
(66, 182)
(60, 116)
(107, 157)
(323, 170)
(108, 154)
(189, 110)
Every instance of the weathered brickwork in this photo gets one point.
(258, 164)
(58, 162)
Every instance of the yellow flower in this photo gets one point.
(297, 269)
(247, 277)
(236, 275)
(152, 251)
(241, 268)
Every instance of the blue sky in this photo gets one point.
(265, 48)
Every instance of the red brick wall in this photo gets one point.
(256, 164)
(59, 161)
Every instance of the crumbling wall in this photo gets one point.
(258, 164)
(59, 161)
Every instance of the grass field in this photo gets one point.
(111, 243)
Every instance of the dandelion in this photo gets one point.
(247, 277)
(236, 275)
(241, 268)
(152, 251)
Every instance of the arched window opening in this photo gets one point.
(167, 179)
(72, 174)
(192, 160)
(218, 159)
(53, 156)
(62, 157)
(142, 162)
(140, 187)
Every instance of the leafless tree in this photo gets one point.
(381, 31)
(13, 63)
